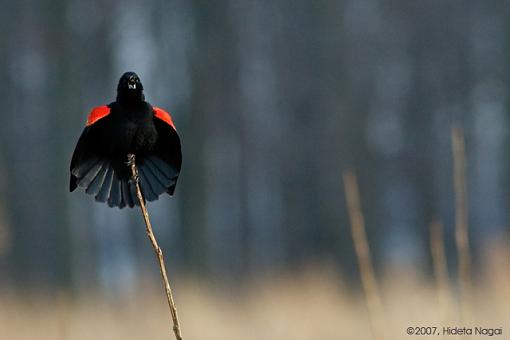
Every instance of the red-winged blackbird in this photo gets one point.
(129, 125)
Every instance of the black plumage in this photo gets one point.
(127, 125)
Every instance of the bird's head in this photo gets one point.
(130, 86)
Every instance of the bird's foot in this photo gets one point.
(131, 163)
(130, 159)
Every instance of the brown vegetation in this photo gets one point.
(314, 305)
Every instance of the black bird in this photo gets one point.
(128, 125)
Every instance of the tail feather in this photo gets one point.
(126, 194)
(89, 175)
(147, 190)
(104, 193)
(156, 184)
(157, 173)
(80, 170)
(115, 199)
(166, 169)
(110, 184)
(132, 191)
(97, 182)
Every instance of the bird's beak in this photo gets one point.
(132, 84)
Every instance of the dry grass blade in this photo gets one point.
(157, 249)
(461, 218)
(363, 254)
(440, 269)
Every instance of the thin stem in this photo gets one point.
(461, 217)
(440, 267)
(156, 247)
(362, 249)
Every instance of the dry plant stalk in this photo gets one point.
(362, 249)
(461, 218)
(156, 247)
(440, 268)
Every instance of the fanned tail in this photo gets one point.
(100, 179)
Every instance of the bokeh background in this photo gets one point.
(273, 101)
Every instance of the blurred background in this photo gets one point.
(273, 101)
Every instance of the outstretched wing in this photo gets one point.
(167, 151)
(84, 152)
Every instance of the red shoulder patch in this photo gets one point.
(97, 113)
(164, 116)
